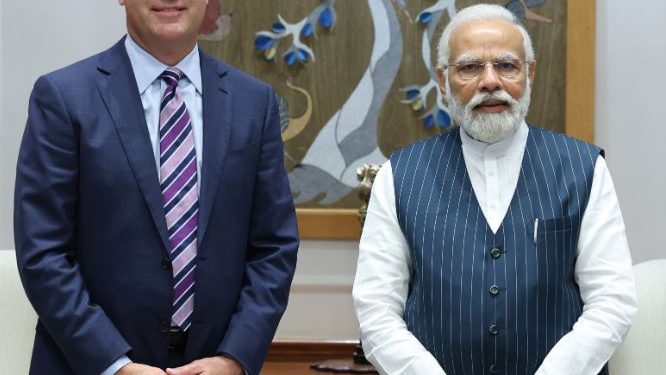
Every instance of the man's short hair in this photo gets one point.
(476, 13)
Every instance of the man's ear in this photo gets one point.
(441, 82)
(530, 70)
(441, 75)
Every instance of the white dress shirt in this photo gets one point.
(147, 70)
(602, 271)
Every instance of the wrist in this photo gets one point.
(232, 363)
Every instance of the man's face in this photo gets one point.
(156, 23)
(490, 103)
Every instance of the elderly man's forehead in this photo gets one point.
(487, 34)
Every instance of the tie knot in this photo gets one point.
(171, 76)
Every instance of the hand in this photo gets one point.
(139, 369)
(209, 366)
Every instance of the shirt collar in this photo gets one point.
(513, 143)
(147, 68)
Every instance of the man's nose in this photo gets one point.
(489, 80)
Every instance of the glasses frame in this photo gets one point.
(483, 65)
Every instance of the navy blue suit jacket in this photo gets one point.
(91, 237)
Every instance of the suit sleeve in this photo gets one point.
(45, 224)
(271, 254)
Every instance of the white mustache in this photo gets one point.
(500, 95)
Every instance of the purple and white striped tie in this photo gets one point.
(178, 180)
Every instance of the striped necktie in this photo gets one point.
(178, 180)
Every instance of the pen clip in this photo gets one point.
(536, 228)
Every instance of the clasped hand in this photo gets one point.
(207, 366)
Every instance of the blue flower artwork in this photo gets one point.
(267, 42)
(416, 95)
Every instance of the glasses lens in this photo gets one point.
(507, 68)
(470, 70)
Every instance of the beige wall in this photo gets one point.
(630, 117)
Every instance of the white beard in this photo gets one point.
(489, 127)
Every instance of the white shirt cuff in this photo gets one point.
(116, 366)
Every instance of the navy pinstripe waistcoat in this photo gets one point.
(484, 302)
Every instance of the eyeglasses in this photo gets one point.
(505, 68)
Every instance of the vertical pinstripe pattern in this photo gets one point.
(451, 308)
(178, 180)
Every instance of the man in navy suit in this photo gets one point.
(154, 226)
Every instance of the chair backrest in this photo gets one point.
(17, 319)
(644, 348)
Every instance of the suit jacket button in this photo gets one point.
(164, 327)
(495, 252)
(493, 369)
(493, 330)
(494, 289)
(166, 264)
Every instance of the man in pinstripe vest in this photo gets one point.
(495, 248)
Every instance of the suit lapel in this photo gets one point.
(217, 112)
(118, 89)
